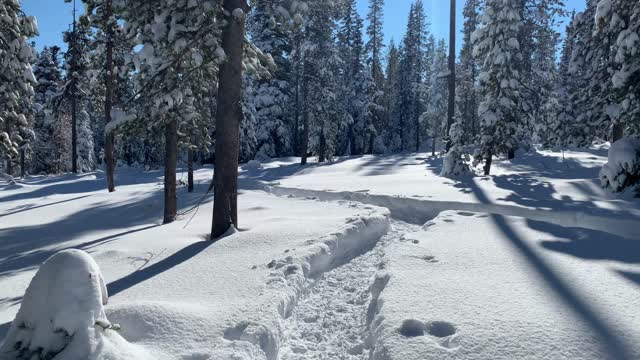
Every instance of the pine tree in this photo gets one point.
(323, 112)
(591, 61)
(434, 119)
(358, 89)
(375, 33)
(272, 26)
(467, 94)
(620, 21)
(496, 42)
(72, 100)
(109, 73)
(177, 39)
(392, 91)
(540, 86)
(16, 80)
(414, 65)
(47, 72)
(562, 127)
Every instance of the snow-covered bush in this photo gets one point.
(456, 162)
(62, 314)
(622, 171)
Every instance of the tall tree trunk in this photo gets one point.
(74, 134)
(322, 148)
(170, 164)
(9, 163)
(305, 120)
(74, 95)
(452, 72)
(228, 117)
(487, 165)
(23, 171)
(109, 144)
(190, 170)
(618, 132)
(418, 126)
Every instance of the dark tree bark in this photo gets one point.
(23, 171)
(452, 72)
(170, 164)
(487, 165)
(305, 120)
(74, 95)
(109, 144)
(190, 170)
(618, 132)
(228, 117)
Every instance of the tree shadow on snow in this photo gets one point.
(24, 248)
(122, 284)
(588, 244)
(634, 277)
(79, 183)
(611, 343)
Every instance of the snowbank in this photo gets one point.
(622, 171)
(62, 314)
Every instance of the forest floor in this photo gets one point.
(369, 257)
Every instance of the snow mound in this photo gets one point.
(62, 314)
(622, 171)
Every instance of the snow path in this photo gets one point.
(419, 211)
(332, 319)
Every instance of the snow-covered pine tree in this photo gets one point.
(434, 119)
(176, 39)
(323, 113)
(73, 100)
(109, 75)
(620, 21)
(541, 82)
(16, 80)
(591, 62)
(562, 127)
(496, 44)
(373, 49)
(467, 95)
(392, 90)
(47, 72)
(408, 102)
(375, 33)
(358, 90)
(272, 25)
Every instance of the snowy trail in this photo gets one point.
(332, 319)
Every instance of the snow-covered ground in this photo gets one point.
(372, 257)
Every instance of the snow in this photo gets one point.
(62, 312)
(365, 257)
(622, 169)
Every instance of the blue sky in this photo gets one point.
(54, 17)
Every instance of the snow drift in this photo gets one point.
(622, 171)
(62, 314)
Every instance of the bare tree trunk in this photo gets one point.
(511, 154)
(322, 148)
(74, 117)
(170, 164)
(109, 144)
(23, 171)
(618, 132)
(305, 120)
(452, 73)
(487, 165)
(228, 117)
(190, 170)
